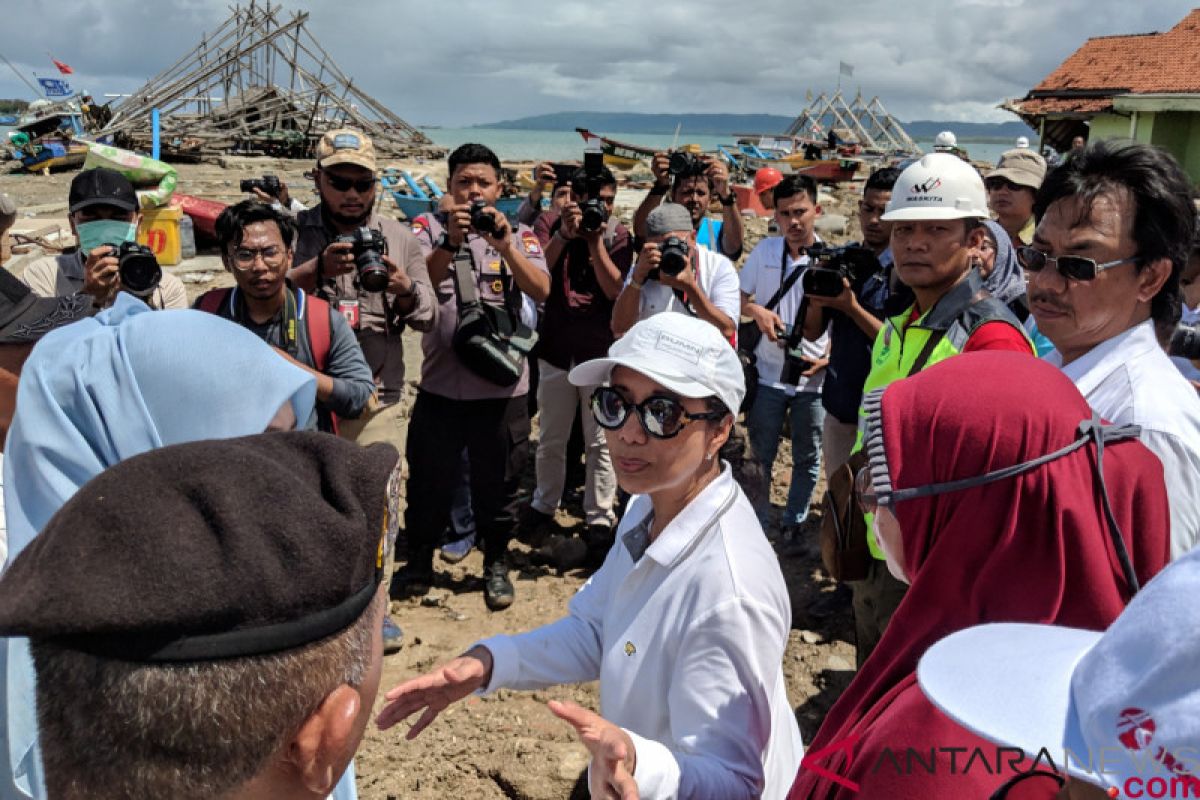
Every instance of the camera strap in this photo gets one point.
(787, 283)
(288, 325)
(467, 289)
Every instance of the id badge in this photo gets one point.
(349, 310)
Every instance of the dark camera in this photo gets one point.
(1185, 342)
(684, 163)
(829, 265)
(673, 256)
(483, 221)
(795, 364)
(595, 215)
(368, 247)
(267, 183)
(138, 268)
(595, 211)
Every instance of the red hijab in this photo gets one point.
(1033, 548)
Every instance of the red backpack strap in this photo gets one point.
(212, 300)
(316, 318)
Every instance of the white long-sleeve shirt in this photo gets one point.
(1129, 379)
(686, 636)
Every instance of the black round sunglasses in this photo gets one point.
(660, 417)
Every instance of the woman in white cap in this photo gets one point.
(686, 622)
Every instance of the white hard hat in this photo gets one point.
(945, 139)
(1022, 141)
(938, 186)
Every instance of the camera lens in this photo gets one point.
(674, 255)
(138, 269)
(1185, 342)
(482, 221)
(595, 214)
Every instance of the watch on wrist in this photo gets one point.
(728, 199)
(658, 190)
(443, 243)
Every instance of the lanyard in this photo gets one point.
(288, 326)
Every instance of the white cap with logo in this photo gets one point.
(1127, 700)
(683, 354)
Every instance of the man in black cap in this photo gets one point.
(103, 214)
(24, 318)
(186, 645)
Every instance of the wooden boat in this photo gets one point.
(621, 155)
(53, 154)
(417, 196)
(829, 170)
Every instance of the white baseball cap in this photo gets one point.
(683, 354)
(1125, 703)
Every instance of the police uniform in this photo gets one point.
(456, 408)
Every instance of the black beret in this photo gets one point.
(210, 550)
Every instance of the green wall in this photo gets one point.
(1176, 131)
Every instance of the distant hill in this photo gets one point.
(726, 124)
(605, 122)
(927, 129)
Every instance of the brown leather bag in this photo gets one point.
(844, 549)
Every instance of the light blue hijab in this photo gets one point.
(102, 390)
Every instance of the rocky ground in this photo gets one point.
(508, 745)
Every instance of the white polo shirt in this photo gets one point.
(686, 636)
(1129, 379)
(761, 276)
(717, 278)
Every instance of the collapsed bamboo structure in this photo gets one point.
(258, 85)
(866, 123)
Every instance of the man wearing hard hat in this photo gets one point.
(765, 181)
(936, 210)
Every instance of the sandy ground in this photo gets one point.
(508, 745)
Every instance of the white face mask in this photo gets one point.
(893, 563)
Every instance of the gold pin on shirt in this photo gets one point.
(630, 649)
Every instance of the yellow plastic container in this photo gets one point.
(160, 232)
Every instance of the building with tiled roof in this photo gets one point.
(1141, 86)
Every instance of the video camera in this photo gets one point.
(1185, 342)
(368, 247)
(138, 268)
(267, 183)
(595, 211)
(829, 265)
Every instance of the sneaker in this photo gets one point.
(411, 581)
(498, 590)
(393, 637)
(791, 541)
(456, 551)
(534, 525)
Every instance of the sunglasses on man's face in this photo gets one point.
(341, 184)
(1077, 268)
(660, 417)
(995, 184)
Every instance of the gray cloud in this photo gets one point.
(466, 61)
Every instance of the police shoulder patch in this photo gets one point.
(419, 225)
(530, 241)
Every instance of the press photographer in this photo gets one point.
(103, 214)
(475, 377)
(851, 305)
(273, 190)
(590, 253)
(693, 181)
(369, 268)
(672, 273)
(790, 369)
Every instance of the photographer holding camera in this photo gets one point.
(853, 318)
(474, 379)
(673, 273)
(590, 253)
(693, 180)
(103, 213)
(369, 268)
(272, 190)
(790, 368)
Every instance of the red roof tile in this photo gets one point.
(1141, 64)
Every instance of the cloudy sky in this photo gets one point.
(461, 62)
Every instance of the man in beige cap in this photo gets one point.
(347, 184)
(1010, 190)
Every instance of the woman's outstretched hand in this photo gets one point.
(435, 690)
(613, 754)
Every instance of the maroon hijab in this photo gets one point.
(1032, 548)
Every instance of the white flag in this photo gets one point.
(846, 69)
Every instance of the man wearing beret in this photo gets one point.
(204, 619)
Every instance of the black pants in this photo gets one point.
(495, 434)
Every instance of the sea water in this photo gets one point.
(528, 145)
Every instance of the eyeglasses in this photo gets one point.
(1077, 268)
(661, 417)
(995, 184)
(244, 257)
(340, 184)
(1036, 783)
